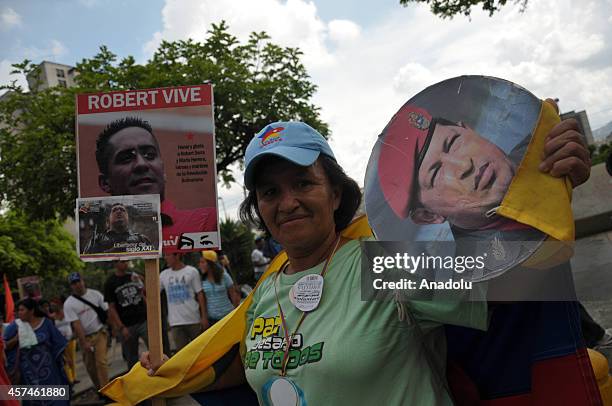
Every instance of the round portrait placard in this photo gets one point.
(443, 164)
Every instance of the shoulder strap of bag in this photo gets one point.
(97, 309)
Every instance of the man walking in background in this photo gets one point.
(124, 293)
(86, 310)
(260, 261)
(186, 307)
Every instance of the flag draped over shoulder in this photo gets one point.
(195, 366)
(535, 198)
(533, 354)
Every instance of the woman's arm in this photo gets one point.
(12, 343)
(232, 376)
(234, 296)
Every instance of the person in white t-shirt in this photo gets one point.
(88, 327)
(186, 306)
(259, 260)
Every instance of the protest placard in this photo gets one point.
(443, 164)
(154, 141)
(29, 287)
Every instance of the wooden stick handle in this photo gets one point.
(154, 327)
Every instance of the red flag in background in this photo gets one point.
(9, 305)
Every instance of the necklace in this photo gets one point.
(281, 390)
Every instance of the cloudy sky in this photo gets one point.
(367, 57)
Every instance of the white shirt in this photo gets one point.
(181, 288)
(257, 257)
(74, 310)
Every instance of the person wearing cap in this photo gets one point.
(300, 196)
(259, 260)
(219, 292)
(83, 309)
(124, 293)
(130, 163)
(432, 170)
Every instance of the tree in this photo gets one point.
(41, 248)
(450, 8)
(237, 243)
(255, 83)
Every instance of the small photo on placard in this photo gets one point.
(118, 227)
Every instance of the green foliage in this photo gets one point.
(255, 83)
(450, 8)
(42, 248)
(237, 243)
(37, 146)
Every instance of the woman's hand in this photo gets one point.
(145, 362)
(566, 152)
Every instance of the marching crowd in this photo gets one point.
(40, 345)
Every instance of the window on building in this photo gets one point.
(60, 73)
(62, 83)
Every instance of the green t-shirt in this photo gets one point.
(348, 351)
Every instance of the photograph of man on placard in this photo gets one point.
(443, 164)
(112, 227)
(130, 163)
(446, 159)
(117, 233)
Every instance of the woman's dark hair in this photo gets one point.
(31, 304)
(349, 201)
(217, 271)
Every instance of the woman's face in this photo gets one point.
(296, 203)
(24, 313)
(203, 265)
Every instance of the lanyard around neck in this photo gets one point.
(289, 337)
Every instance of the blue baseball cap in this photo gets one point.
(291, 140)
(74, 277)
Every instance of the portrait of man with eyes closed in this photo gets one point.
(461, 176)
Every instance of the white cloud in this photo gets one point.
(53, 51)
(343, 31)
(292, 23)
(365, 73)
(9, 19)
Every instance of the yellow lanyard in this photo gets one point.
(289, 337)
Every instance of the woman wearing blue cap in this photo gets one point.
(310, 339)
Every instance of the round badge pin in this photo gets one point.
(282, 391)
(306, 293)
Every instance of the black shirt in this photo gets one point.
(126, 293)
